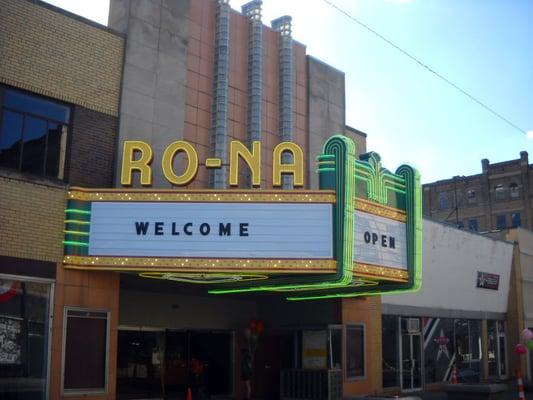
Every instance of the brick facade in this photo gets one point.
(501, 190)
(63, 57)
(31, 218)
(92, 149)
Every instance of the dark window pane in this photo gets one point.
(439, 347)
(35, 105)
(462, 343)
(24, 316)
(336, 348)
(492, 351)
(34, 144)
(473, 225)
(443, 201)
(53, 149)
(501, 222)
(389, 342)
(355, 351)
(85, 360)
(10, 139)
(501, 344)
(517, 220)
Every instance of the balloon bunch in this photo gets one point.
(527, 338)
(251, 334)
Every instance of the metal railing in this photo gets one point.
(304, 384)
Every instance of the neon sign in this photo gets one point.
(359, 235)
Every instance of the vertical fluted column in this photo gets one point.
(282, 25)
(218, 177)
(255, 71)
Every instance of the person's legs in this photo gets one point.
(248, 389)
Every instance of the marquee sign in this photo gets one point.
(204, 231)
(360, 234)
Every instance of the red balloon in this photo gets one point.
(520, 349)
(259, 327)
(253, 325)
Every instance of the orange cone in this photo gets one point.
(189, 393)
(454, 376)
(521, 394)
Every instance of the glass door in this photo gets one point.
(502, 353)
(411, 356)
(199, 360)
(139, 366)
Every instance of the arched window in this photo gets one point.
(471, 196)
(499, 191)
(514, 191)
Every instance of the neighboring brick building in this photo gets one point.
(498, 198)
(59, 94)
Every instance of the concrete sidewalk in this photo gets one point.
(511, 394)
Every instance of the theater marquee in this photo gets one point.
(360, 234)
(266, 232)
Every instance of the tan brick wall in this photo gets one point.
(50, 53)
(31, 220)
(365, 311)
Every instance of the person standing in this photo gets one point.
(246, 372)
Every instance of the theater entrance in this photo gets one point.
(163, 364)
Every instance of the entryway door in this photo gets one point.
(411, 356)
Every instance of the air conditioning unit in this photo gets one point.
(411, 325)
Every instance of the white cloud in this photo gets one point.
(530, 135)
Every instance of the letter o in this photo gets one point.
(205, 229)
(168, 159)
(367, 237)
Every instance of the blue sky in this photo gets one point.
(411, 116)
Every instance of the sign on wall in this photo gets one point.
(314, 349)
(10, 340)
(360, 234)
(219, 231)
(486, 280)
(380, 241)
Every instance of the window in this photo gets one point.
(468, 349)
(86, 345)
(335, 347)
(496, 347)
(471, 196)
(460, 225)
(33, 133)
(355, 351)
(473, 225)
(501, 222)
(514, 192)
(389, 343)
(443, 201)
(516, 219)
(499, 192)
(24, 338)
